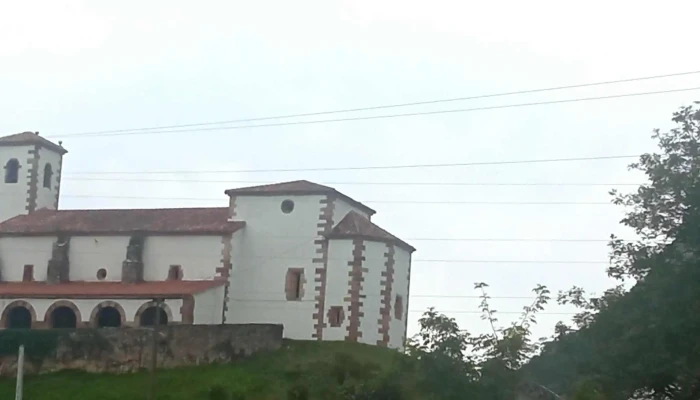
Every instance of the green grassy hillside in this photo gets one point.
(321, 368)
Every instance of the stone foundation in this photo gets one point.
(119, 350)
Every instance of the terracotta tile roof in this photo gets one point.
(354, 225)
(145, 290)
(30, 138)
(165, 221)
(298, 188)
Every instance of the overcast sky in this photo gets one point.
(92, 66)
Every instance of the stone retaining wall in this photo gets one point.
(130, 349)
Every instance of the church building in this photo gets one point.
(295, 253)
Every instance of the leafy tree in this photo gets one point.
(455, 365)
(659, 208)
(642, 344)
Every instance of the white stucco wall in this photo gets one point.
(342, 208)
(13, 197)
(208, 306)
(86, 306)
(16, 252)
(339, 254)
(46, 197)
(88, 254)
(199, 256)
(374, 262)
(272, 242)
(397, 328)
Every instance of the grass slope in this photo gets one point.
(266, 376)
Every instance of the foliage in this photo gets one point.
(658, 209)
(455, 365)
(642, 344)
(268, 376)
(218, 392)
(38, 344)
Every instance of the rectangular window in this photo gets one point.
(175, 273)
(335, 316)
(398, 307)
(294, 284)
(28, 273)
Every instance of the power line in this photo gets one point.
(367, 183)
(414, 311)
(513, 240)
(387, 116)
(383, 106)
(494, 312)
(447, 296)
(364, 201)
(405, 166)
(507, 261)
(443, 239)
(203, 256)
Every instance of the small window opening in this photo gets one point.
(295, 284)
(335, 316)
(175, 273)
(287, 206)
(48, 175)
(398, 307)
(101, 274)
(12, 171)
(28, 273)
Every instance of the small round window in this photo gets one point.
(101, 273)
(287, 206)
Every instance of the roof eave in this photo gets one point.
(252, 193)
(397, 242)
(54, 147)
(215, 232)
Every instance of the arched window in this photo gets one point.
(12, 171)
(48, 174)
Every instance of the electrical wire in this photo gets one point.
(364, 201)
(405, 166)
(556, 184)
(347, 110)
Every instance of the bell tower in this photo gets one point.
(30, 178)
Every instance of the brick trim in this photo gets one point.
(232, 208)
(386, 284)
(320, 262)
(63, 303)
(225, 270)
(357, 278)
(32, 178)
(94, 315)
(187, 310)
(408, 297)
(57, 187)
(4, 318)
(149, 304)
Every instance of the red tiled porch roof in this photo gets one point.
(354, 225)
(144, 290)
(183, 221)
